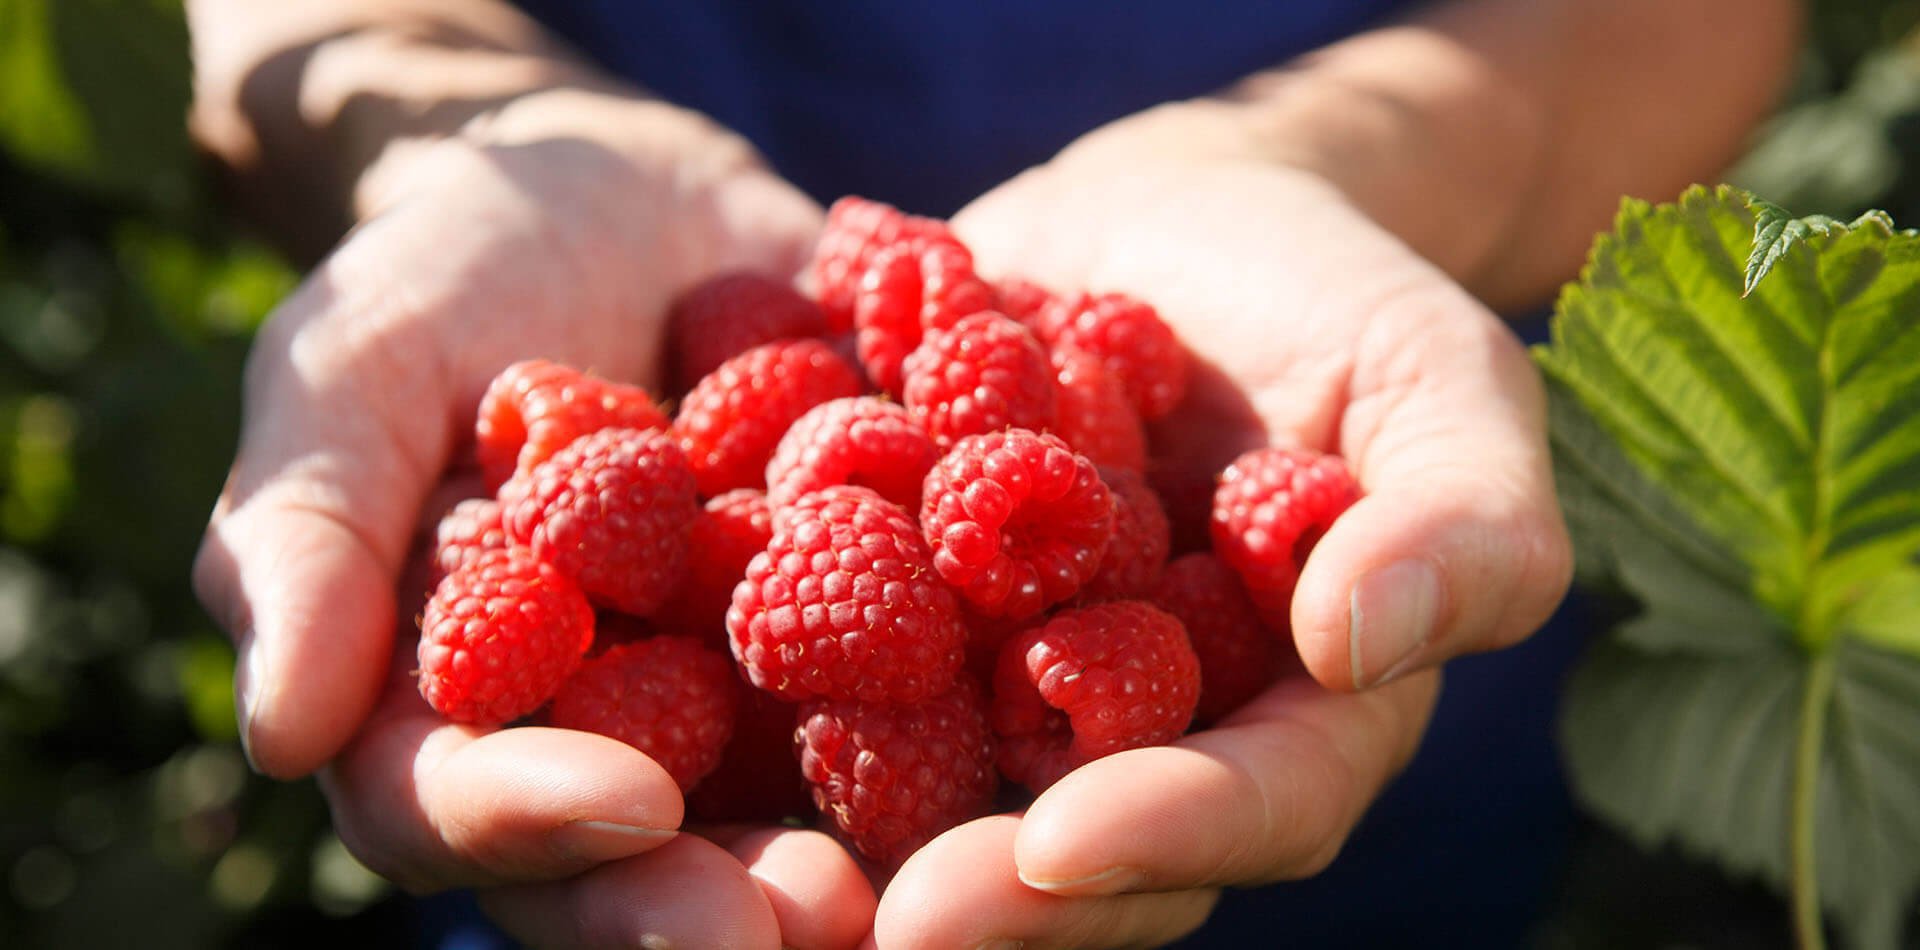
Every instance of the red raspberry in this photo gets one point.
(907, 290)
(983, 375)
(894, 776)
(1092, 414)
(611, 511)
(535, 408)
(855, 231)
(499, 635)
(731, 314)
(1016, 521)
(723, 539)
(1271, 508)
(858, 441)
(1239, 656)
(730, 422)
(759, 775)
(1129, 336)
(1091, 682)
(844, 604)
(1020, 298)
(669, 697)
(464, 533)
(1138, 552)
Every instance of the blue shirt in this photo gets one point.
(926, 105)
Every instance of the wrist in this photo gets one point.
(1447, 172)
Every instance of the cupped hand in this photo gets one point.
(559, 228)
(1311, 326)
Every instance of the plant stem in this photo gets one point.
(1806, 784)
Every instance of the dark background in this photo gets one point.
(127, 815)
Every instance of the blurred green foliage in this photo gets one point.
(127, 814)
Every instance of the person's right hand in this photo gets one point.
(560, 227)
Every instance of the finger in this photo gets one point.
(432, 805)
(338, 448)
(1268, 795)
(688, 893)
(961, 890)
(818, 894)
(1458, 545)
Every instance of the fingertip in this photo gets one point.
(687, 893)
(1411, 577)
(527, 798)
(318, 616)
(432, 804)
(1088, 836)
(818, 893)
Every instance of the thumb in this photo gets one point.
(1458, 544)
(346, 428)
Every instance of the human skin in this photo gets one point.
(1327, 238)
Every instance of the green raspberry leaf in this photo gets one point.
(1742, 457)
(1775, 231)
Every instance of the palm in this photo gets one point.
(1310, 327)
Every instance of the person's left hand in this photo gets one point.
(1311, 326)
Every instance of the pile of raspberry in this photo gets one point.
(896, 541)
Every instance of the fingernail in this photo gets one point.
(1393, 610)
(1110, 881)
(606, 840)
(243, 698)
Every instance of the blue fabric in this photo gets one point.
(926, 105)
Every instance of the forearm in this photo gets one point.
(310, 105)
(1496, 136)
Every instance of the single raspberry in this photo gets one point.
(1129, 336)
(893, 776)
(908, 290)
(535, 408)
(984, 374)
(1092, 414)
(1272, 506)
(1020, 298)
(611, 511)
(1239, 656)
(499, 635)
(856, 230)
(1016, 521)
(724, 537)
(669, 697)
(862, 440)
(1091, 682)
(1138, 552)
(731, 421)
(844, 604)
(464, 533)
(758, 779)
(731, 314)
